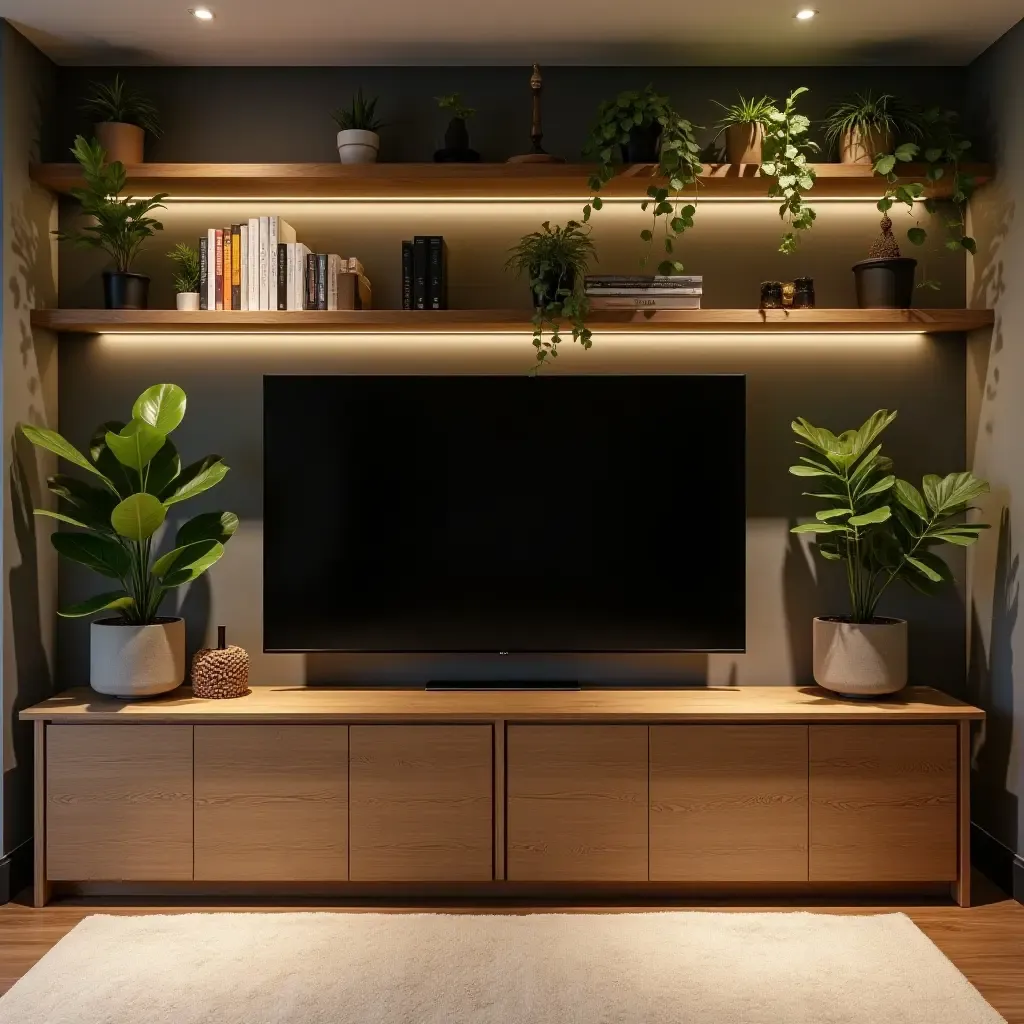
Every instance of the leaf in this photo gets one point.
(944, 495)
(910, 497)
(917, 236)
(100, 603)
(101, 554)
(194, 479)
(53, 442)
(63, 518)
(885, 164)
(92, 505)
(819, 528)
(925, 570)
(809, 471)
(884, 484)
(870, 429)
(139, 516)
(878, 515)
(163, 469)
(218, 526)
(963, 540)
(969, 244)
(906, 152)
(193, 561)
(136, 444)
(162, 406)
(832, 513)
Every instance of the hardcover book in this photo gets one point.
(219, 269)
(642, 302)
(419, 271)
(236, 266)
(211, 270)
(437, 276)
(281, 284)
(254, 263)
(204, 274)
(407, 274)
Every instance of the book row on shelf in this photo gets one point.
(630, 291)
(425, 273)
(260, 265)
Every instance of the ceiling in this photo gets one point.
(482, 32)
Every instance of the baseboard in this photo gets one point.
(998, 862)
(15, 872)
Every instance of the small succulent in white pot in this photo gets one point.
(358, 141)
(135, 478)
(883, 530)
(186, 280)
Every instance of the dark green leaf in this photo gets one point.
(114, 599)
(194, 479)
(101, 554)
(219, 526)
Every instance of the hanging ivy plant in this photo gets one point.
(620, 122)
(785, 152)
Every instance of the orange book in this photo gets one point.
(236, 266)
(227, 267)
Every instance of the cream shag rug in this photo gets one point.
(351, 968)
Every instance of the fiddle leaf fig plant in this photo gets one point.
(882, 528)
(785, 150)
(136, 476)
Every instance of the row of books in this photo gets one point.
(425, 273)
(639, 291)
(259, 265)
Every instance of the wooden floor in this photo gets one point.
(986, 941)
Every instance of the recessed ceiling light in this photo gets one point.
(205, 14)
(805, 14)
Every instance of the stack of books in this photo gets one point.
(259, 265)
(654, 291)
(425, 273)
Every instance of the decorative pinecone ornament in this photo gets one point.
(885, 246)
(221, 671)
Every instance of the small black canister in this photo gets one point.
(803, 293)
(771, 295)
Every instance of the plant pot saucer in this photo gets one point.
(456, 156)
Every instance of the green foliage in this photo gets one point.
(453, 103)
(118, 226)
(745, 111)
(678, 162)
(142, 477)
(882, 527)
(864, 114)
(785, 150)
(559, 256)
(186, 259)
(360, 115)
(117, 101)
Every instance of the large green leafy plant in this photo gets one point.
(140, 477)
(884, 529)
(118, 226)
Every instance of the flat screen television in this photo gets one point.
(517, 514)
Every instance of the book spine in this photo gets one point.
(407, 275)
(644, 280)
(236, 266)
(309, 302)
(204, 274)
(227, 267)
(219, 269)
(254, 263)
(281, 286)
(264, 263)
(289, 276)
(436, 273)
(638, 302)
(333, 265)
(211, 268)
(419, 272)
(244, 304)
(321, 281)
(651, 293)
(273, 238)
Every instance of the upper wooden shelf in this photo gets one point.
(460, 181)
(326, 704)
(451, 321)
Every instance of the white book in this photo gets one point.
(291, 271)
(265, 263)
(243, 237)
(299, 295)
(211, 268)
(333, 270)
(254, 262)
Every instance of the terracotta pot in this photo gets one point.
(136, 661)
(743, 143)
(124, 142)
(855, 148)
(860, 659)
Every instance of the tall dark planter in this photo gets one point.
(456, 145)
(553, 281)
(886, 283)
(642, 147)
(125, 291)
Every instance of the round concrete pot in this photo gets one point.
(743, 143)
(136, 661)
(187, 301)
(124, 142)
(858, 148)
(860, 659)
(356, 146)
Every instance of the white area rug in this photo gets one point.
(340, 968)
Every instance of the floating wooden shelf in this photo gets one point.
(461, 181)
(452, 321)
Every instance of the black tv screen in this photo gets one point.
(504, 513)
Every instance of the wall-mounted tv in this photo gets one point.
(471, 513)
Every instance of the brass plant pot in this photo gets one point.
(124, 142)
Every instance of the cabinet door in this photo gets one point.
(577, 803)
(271, 803)
(728, 803)
(119, 803)
(421, 803)
(883, 803)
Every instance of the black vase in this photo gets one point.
(554, 280)
(125, 291)
(885, 283)
(642, 147)
(456, 145)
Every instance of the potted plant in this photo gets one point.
(186, 280)
(786, 149)
(885, 280)
(743, 124)
(121, 118)
(358, 141)
(119, 226)
(555, 259)
(456, 137)
(862, 127)
(137, 477)
(883, 529)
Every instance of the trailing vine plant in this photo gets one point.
(785, 150)
(678, 161)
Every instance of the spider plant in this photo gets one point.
(186, 259)
(117, 101)
(359, 116)
(745, 111)
(865, 114)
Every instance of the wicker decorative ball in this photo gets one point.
(220, 672)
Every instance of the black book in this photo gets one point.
(310, 291)
(204, 274)
(321, 280)
(419, 272)
(282, 275)
(437, 273)
(406, 275)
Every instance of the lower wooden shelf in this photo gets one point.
(461, 321)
